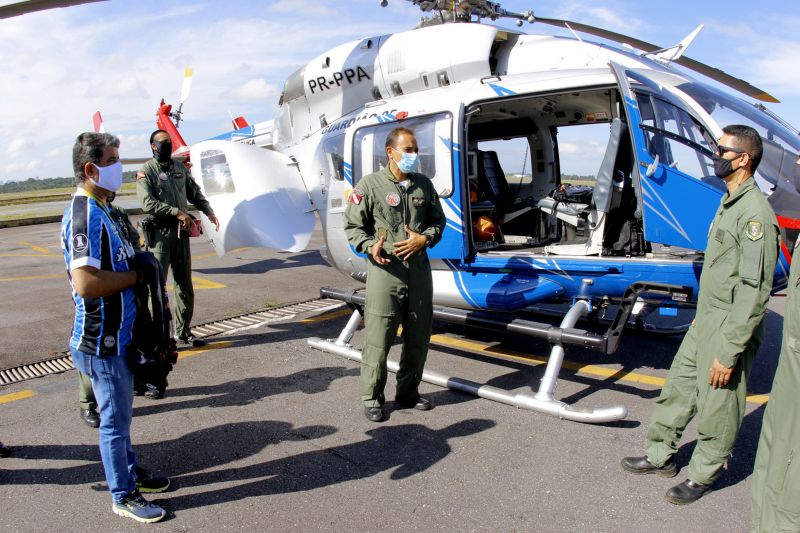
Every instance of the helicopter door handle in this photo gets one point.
(651, 168)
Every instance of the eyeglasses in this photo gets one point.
(722, 150)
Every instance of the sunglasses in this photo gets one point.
(722, 150)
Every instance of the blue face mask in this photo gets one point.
(408, 163)
(110, 177)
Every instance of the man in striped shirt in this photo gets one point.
(96, 256)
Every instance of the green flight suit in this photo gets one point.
(164, 190)
(775, 494)
(129, 232)
(400, 292)
(734, 290)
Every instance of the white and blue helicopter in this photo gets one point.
(630, 244)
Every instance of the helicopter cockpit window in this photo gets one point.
(216, 173)
(433, 134)
(675, 137)
(333, 150)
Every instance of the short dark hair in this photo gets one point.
(749, 140)
(89, 147)
(153, 135)
(391, 139)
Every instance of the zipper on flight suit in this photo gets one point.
(788, 465)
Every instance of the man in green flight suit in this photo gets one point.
(88, 404)
(708, 376)
(775, 494)
(165, 187)
(393, 215)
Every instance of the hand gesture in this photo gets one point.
(407, 248)
(377, 252)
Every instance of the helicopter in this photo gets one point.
(516, 245)
(631, 241)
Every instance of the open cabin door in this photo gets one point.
(673, 170)
(258, 196)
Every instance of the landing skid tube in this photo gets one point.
(544, 400)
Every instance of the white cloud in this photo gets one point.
(20, 144)
(257, 90)
(313, 8)
(25, 167)
(57, 152)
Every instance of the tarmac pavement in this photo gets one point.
(261, 432)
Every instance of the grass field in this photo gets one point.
(52, 195)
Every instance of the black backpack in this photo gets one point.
(152, 352)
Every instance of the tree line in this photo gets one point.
(34, 184)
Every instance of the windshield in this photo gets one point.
(726, 109)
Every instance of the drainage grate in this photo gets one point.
(63, 362)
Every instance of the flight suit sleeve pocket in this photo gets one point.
(752, 262)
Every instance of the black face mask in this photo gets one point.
(162, 151)
(722, 167)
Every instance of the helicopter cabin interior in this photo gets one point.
(532, 206)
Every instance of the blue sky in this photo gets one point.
(121, 57)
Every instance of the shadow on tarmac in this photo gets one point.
(303, 259)
(246, 391)
(241, 439)
(406, 450)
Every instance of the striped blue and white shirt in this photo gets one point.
(89, 237)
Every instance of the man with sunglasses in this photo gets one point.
(708, 376)
(775, 494)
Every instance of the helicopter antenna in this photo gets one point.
(465, 10)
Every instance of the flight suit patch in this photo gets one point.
(434, 198)
(418, 201)
(393, 199)
(755, 230)
(356, 196)
(162, 176)
(719, 236)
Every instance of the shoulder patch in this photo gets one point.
(356, 195)
(755, 230)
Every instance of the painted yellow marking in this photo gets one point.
(35, 248)
(595, 370)
(758, 398)
(31, 255)
(327, 316)
(214, 254)
(219, 345)
(14, 396)
(201, 283)
(28, 278)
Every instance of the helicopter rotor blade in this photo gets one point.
(187, 84)
(714, 73)
(31, 6)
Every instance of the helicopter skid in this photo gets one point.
(543, 401)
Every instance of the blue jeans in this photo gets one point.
(113, 389)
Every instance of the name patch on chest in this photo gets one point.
(418, 201)
(719, 235)
(393, 199)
